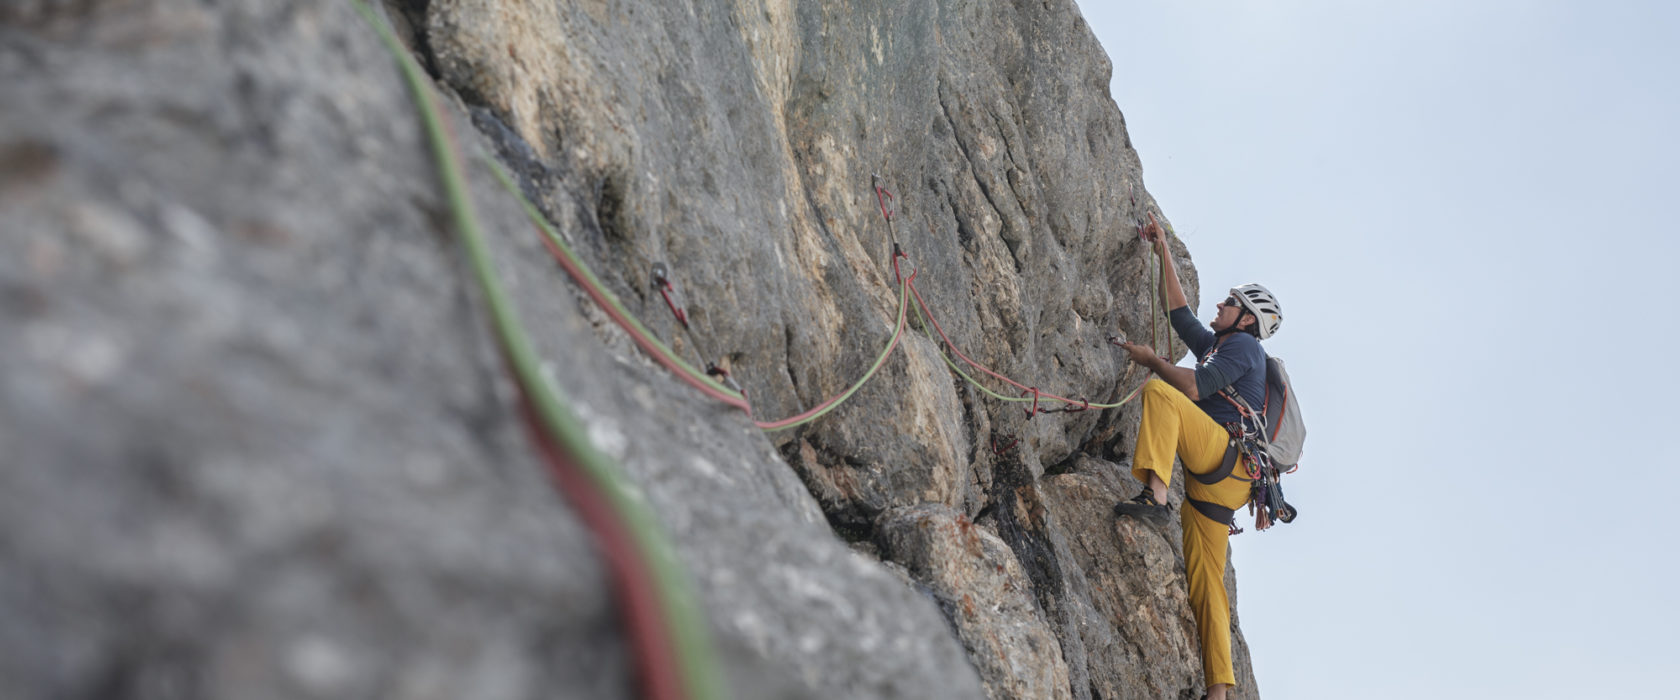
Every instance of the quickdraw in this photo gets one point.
(713, 370)
(884, 197)
(889, 208)
(1001, 451)
(662, 282)
(897, 253)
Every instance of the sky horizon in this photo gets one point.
(1460, 207)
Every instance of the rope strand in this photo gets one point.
(673, 647)
(833, 403)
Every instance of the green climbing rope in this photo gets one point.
(699, 668)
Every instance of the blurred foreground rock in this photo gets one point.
(256, 442)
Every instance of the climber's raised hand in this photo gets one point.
(1153, 233)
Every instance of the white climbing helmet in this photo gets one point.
(1259, 301)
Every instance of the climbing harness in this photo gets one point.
(1248, 436)
(1227, 470)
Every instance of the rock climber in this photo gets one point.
(1185, 415)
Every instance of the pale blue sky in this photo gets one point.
(1465, 209)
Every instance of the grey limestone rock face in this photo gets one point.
(256, 440)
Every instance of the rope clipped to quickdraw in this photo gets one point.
(1157, 292)
(667, 290)
(889, 207)
(662, 282)
(609, 303)
(673, 648)
(1167, 337)
(722, 374)
(1157, 297)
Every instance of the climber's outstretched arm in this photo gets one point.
(1153, 233)
(1181, 378)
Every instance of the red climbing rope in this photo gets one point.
(654, 652)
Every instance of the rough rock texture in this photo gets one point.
(984, 592)
(258, 443)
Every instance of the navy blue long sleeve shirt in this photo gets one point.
(1238, 361)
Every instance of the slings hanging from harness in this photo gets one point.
(1265, 492)
(1250, 435)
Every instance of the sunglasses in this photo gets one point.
(1232, 302)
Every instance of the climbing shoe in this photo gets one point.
(1143, 506)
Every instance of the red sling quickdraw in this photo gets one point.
(662, 282)
(1000, 451)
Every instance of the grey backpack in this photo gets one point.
(1284, 427)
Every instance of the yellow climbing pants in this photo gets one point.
(1173, 424)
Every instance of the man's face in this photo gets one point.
(1228, 312)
